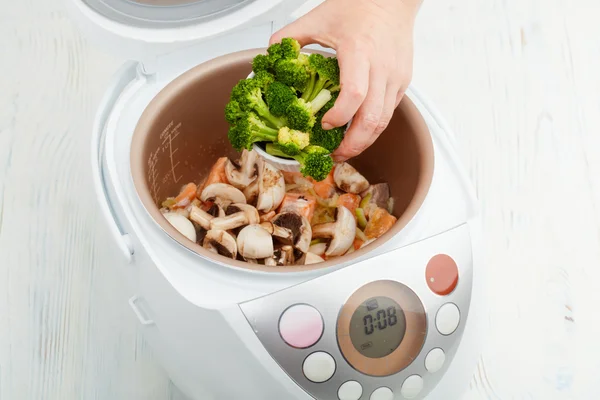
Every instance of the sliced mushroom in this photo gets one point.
(201, 219)
(379, 194)
(282, 256)
(271, 187)
(222, 194)
(348, 179)
(283, 234)
(220, 242)
(312, 258)
(238, 214)
(182, 224)
(267, 217)
(299, 226)
(254, 242)
(242, 175)
(318, 249)
(341, 232)
(251, 193)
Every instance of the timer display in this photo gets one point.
(377, 327)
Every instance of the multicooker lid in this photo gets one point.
(143, 29)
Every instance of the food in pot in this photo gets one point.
(282, 105)
(249, 210)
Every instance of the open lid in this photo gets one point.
(143, 29)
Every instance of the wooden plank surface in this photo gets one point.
(518, 81)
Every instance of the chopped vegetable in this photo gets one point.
(361, 220)
(366, 200)
(380, 221)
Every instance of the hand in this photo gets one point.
(374, 44)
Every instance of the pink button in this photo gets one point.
(301, 326)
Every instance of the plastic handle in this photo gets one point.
(138, 313)
(124, 76)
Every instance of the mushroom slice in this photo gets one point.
(182, 224)
(282, 256)
(298, 225)
(238, 214)
(341, 232)
(312, 258)
(348, 179)
(255, 242)
(201, 217)
(220, 242)
(271, 187)
(222, 194)
(318, 249)
(283, 234)
(244, 174)
(379, 194)
(251, 193)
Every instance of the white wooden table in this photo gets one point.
(518, 80)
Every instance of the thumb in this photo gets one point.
(301, 29)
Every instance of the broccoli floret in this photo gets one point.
(326, 74)
(233, 112)
(314, 161)
(262, 62)
(279, 96)
(248, 130)
(290, 48)
(332, 138)
(249, 96)
(264, 79)
(291, 141)
(301, 113)
(293, 72)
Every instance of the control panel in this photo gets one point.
(383, 329)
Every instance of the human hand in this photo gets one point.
(374, 44)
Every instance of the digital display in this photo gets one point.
(377, 327)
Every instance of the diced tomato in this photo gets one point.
(299, 203)
(380, 221)
(186, 196)
(350, 201)
(216, 175)
(325, 188)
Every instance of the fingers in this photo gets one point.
(354, 82)
(365, 127)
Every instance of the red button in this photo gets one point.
(441, 274)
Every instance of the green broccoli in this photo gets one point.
(332, 138)
(315, 161)
(249, 96)
(233, 112)
(291, 141)
(279, 96)
(290, 48)
(301, 113)
(293, 72)
(326, 74)
(248, 130)
(262, 62)
(263, 80)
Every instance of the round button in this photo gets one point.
(301, 326)
(318, 367)
(382, 393)
(435, 360)
(350, 390)
(447, 319)
(441, 274)
(412, 386)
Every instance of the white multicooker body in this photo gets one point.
(277, 336)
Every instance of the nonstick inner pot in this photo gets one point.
(183, 131)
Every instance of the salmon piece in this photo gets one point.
(326, 188)
(186, 196)
(299, 203)
(216, 175)
(290, 177)
(380, 221)
(350, 201)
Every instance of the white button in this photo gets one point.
(301, 326)
(412, 386)
(318, 367)
(447, 319)
(435, 360)
(350, 390)
(382, 393)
